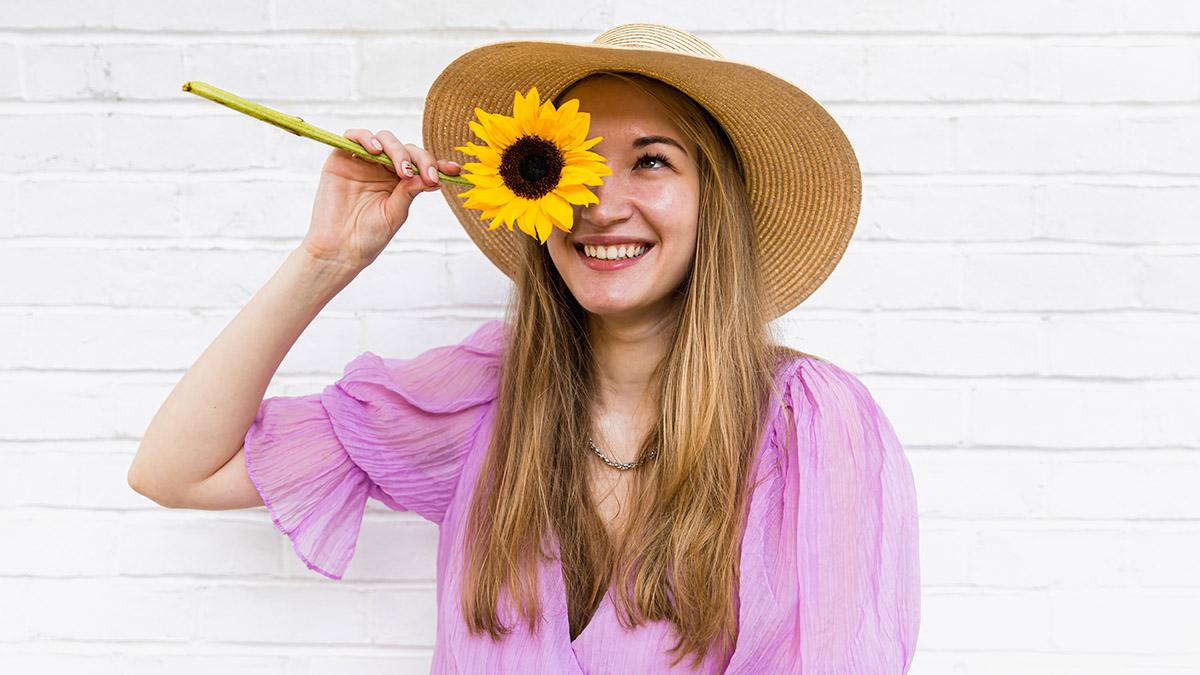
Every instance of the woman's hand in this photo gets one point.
(360, 205)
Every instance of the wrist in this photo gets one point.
(320, 279)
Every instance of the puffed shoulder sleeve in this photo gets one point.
(850, 489)
(397, 430)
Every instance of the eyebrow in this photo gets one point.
(650, 140)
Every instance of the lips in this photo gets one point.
(610, 240)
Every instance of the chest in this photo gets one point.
(611, 492)
(612, 489)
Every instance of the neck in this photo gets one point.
(626, 352)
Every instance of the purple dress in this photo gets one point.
(829, 560)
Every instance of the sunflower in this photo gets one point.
(536, 164)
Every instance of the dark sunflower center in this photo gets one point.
(531, 167)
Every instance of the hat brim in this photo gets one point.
(803, 177)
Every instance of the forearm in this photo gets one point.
(202, 423)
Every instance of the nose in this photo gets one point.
(615, 205)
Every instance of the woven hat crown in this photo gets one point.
(654, 36)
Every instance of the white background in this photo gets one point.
(1022, 296)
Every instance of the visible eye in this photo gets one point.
(653, 156)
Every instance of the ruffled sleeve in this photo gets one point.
(850, 489)
(396, 430)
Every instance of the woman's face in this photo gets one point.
(647, 200)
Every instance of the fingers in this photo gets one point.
(410, 160)
(366, 139)
(426, 165)
(398, 153)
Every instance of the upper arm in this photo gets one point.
(857, 541)
(229, 488)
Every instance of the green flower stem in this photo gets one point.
(299, 127)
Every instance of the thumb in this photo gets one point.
(405, 192)
(395, 206)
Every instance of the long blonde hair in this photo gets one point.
(679, 559)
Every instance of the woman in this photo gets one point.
(628, 475)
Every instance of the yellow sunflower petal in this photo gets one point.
(547, 120)
(505, 129)
(486, 155)
(490, 214)
(484, 180)
(518, 104)
(482, 204)
(571, 133)
(574, 175)
(475, 202)
(587, 144)
(481, 169)
(567, 111)
(558, 210)
(574, 133)
(487, 198)
(594, 168)
(590, 168)
(496, 195)
(577, 194)
(584, 156)
(544, 226)
(513, 208)
(518, 112)
(527, 116)
(485, 119)
(481, 132)
(530, 214)
(495, 138)
(493, 130)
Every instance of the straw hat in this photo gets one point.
(803, 177)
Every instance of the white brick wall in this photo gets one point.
(1022, 295)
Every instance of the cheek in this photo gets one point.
(556, 244)
(678, 213)
(667, 197)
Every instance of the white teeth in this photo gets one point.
(614, 252)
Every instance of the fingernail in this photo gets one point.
(376, 144)
(432, 171)
(454, 163)
(407, 168)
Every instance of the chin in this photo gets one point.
(620, 309)
(610, 308)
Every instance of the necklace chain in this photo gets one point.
(623, 466)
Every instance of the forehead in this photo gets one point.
(609, 99)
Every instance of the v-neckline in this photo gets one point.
(591, 620)
(564, 602)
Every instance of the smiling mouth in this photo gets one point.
(613, 253)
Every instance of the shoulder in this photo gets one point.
(443, 378)
(807, 381)
(827, 414)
